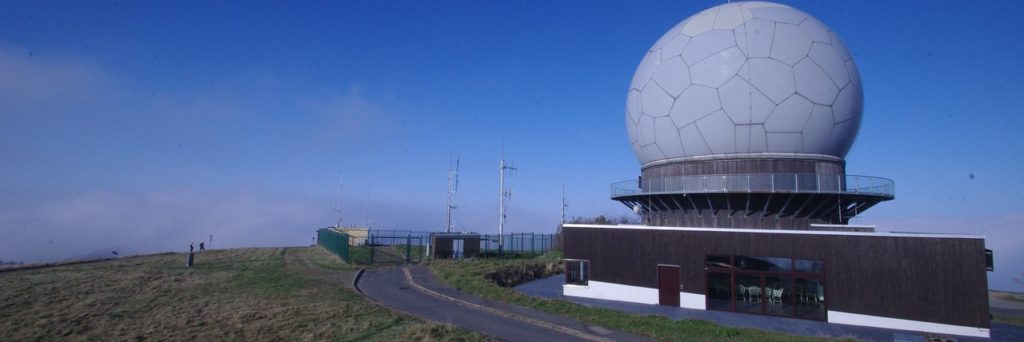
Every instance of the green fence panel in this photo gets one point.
(334, 242)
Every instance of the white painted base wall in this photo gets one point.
(628, 293)
(692, 301)
(904, 324)
(646, 295)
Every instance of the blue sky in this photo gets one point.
(145, 125)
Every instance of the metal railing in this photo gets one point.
(758, 183)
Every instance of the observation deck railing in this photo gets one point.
(758, 183)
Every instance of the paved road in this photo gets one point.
(427, 298)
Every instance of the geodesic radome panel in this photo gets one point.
(747, 77)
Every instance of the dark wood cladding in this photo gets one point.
(731, 219)
(745, 166)
(443, 245)
(941, 280)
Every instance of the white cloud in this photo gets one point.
(350, 117)
(31, 79)
(160, 221)
(95, 223)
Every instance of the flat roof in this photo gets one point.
(778, 231)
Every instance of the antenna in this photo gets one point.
(453, 187)
(341, 186)
(502, 169)
(366, 214)
(565, 204)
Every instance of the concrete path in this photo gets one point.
(551, 288)
(417, 292)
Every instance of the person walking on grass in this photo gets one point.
(202, 246)
(191, 247)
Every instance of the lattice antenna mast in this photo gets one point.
(366, 214)
(565, 205)
(341, 186)
(503, 168)
(453, 187)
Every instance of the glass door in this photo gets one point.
(778, 295)
(810, 298)
(749, 294)
(719, 291)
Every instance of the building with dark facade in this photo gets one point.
(741, 117)
(926, 282)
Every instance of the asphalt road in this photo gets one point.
(390, 287)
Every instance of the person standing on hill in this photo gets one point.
(202, 246)
(191, 254)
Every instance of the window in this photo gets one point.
(577, 272)
(719, 261)
(766, 264)
(763, 285)
(989, 265)
(810, 266)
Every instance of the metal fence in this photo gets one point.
(391, 248)
(334, 241)
(379, 247)
(399, 233)
(515, 244)
(405, 246)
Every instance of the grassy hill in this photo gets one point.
(241, 294)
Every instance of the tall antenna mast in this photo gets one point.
(366, 214)
(502, 169)
(341, 186)
(453, 187)
(565, 204)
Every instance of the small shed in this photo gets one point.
(357, 236)
(454, 245)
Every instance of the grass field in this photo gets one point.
(1015, 297)
(471, 276)
(1012, 320)
(243, 294)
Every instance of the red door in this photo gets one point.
(668, 285)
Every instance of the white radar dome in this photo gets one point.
(745, 78)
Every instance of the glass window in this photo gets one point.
(718, 292)
(767, 264)
(750, 294)
(719, 261)
(778, 295)
(810, 266)
(810, 298)
(766, 285)
(577, 272)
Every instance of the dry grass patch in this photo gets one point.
(243, 294)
